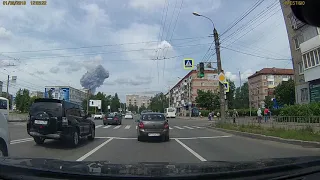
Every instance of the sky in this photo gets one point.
(141, 43)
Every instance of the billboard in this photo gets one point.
(95, 103)
(57, 93)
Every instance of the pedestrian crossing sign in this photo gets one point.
(226, 86)
(188, 64)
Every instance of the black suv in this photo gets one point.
(59, 119)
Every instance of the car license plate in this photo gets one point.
(153, 134)
(109, 118)
(41, 122)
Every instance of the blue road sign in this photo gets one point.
(188, 64)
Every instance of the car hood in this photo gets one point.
(146, 168)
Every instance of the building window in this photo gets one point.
(296, 43)
(304, 94)
(264, 83)
(270, 83)
(300, 65)
(311, 59)
(266, 90)
(202, 84)
(309, 33)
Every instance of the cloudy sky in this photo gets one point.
(140, 42)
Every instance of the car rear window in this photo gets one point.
(112, 114)
(153, 117)
(53, 108)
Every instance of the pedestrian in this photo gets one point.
(218, 115)
(209, 116)
(259, 113)
(234, 115)
(266, 113)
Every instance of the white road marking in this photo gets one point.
(94, 150)
(127, 127)
(170, 128)
(107, 126)
(188, 127)
(198, 127)
(21, 140)
(191, 151)
(212, 137)
(98, 126)
(117, 127)
(136, 127)
(178, 127)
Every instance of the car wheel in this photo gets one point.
(139, 138)
(39, 140)
(167, 138)
(3, 150)
(74, 141)
(93, 133)
(104, 123)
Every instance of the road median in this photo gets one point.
(304, 137)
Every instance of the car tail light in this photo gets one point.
(166, 126)
(105, 118)
(64, 121)
(141, 125)
(116, 118)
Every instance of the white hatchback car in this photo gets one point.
(4, 136)
(128, 116)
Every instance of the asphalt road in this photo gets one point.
(190, 141)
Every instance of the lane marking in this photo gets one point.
(170, 128)
(212, 137)
(191, 151)
(107, 126)
(136, 127)
(94, 150)
(198, 127)
(117, 127)
(178, 127)
(188, 127)
(127, 127)
(98, 126)
(21, 140)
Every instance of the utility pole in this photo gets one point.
(169, 97)
(222, 100)
(8, 87)
(240, 80)
(190, 105)
(88, 91)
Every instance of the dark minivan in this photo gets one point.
(59, 119)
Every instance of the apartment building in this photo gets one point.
(137, 100)
(304, 43)
(186, 90)
(37, 94)
(263, 82)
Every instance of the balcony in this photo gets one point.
(310, 44)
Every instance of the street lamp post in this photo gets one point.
(219, 66)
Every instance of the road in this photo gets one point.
(190, 142)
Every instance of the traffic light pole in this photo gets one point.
(221, 86)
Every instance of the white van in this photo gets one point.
(170, 112)
(4, 130)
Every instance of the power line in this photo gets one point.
(269, 58)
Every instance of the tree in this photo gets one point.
(142, 108)
(285, 93)
(50, 94)
(115, 103)
(23, 100)
(208, 100)
(241, 99)
(231, 93)
(268, 102)
(158, 103)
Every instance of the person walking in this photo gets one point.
(234, 115)
(259, 113)
(210, 116)
(266, 114)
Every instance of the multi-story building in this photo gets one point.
(137, 100)
(37, 94)
(304, 43)
(186, 90)
(66, 93)
(263, 82)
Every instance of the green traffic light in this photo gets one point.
(201, 75)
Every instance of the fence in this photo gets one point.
(285, 122)
(18, 117)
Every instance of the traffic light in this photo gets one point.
(201, 74)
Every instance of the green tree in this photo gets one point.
(158, 103)
(208, 100)
(50, 94)
(268, 102)
(115, 103)
(285, 93)
(130, 107)
(142, 108)
(231, 93)
(241, 100)
(22, 100)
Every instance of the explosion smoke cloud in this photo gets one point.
(94, 78)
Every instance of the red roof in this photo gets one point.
(273, 71)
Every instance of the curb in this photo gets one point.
(17, 120)
(270, 138)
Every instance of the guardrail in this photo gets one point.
(285, 122)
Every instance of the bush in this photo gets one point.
(306, 110)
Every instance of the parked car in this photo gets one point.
(153, 125)
(4, 136)
(59, 119)
(112, 118)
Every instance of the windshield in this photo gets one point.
(3, 104)
(153, 117)
(190, 75)
(55, 109)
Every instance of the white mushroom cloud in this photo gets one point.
(94, 78)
